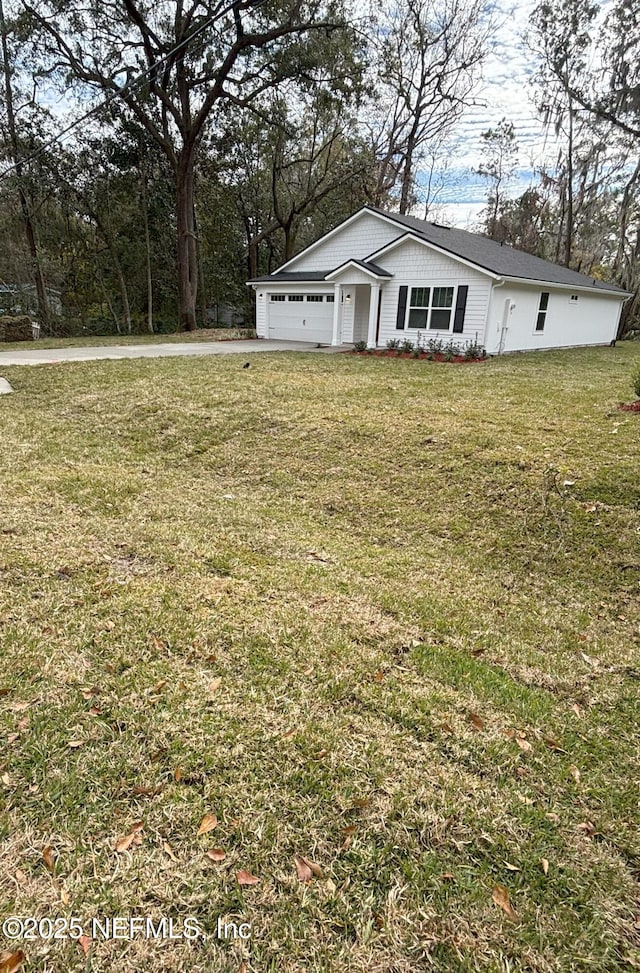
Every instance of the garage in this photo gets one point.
(301, 317)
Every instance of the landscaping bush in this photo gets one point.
(16, 328)
(360, 346)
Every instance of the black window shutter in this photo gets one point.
(461, 304)
(402, 308)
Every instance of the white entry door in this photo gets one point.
(301, 317)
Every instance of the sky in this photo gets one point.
(505, 92)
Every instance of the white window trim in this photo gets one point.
(432, 286)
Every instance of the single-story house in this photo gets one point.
(379, 276)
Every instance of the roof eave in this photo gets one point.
(585, 288)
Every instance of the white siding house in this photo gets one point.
(379, 276)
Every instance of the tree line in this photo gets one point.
(218, 139)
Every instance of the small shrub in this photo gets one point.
(407, 345)
(393, 344)
(635, 384)
(435, 346)
(360, 346)
(451, 350)
(416, 352)
(474, 351)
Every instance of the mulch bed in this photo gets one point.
(424, 356)
(630, 406)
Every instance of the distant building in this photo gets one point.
(23, 299)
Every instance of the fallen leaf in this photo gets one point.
(166, 847)
(84, 942)
(6, 780)
(11, 962)
(109, 625)
(65, 898)
(361, 802)
(448, 877)
(215, 684)
(544, 863)
(510, 867)
(74, 744)
(95, 711)
(379, 676)
(320, 754)
(208, 823)
(312, 867)
(246, 878)
(303, 871)
(13, 737)
(216, 854)
(146, 791)
(288, 734)
(553, 745)
(349, 829)
(447, 728)
(49, 858)
(500, 896)
(588, 828)
(21, 878)
(159, 686)
(524, 745)
(177, 774)
(476, 721)
(123, 844)
(575, 773)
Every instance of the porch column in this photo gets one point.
(374, 298)
(336, 337)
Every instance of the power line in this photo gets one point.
(129, 86)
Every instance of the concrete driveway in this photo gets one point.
(53, 356)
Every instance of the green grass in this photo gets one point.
(98, 341)
(418, 586)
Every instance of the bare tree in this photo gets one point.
(430, 52)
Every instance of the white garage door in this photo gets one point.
(301, 317)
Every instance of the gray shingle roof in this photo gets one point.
(374, 268)
(291, 276)
(489, 255)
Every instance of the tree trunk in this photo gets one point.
(187, 255)
(44, 312)
(147, 242)
(105, 232)
(202, 290)
(568, 239)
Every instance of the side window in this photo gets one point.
(295, 297)
(277, 297)
(542, 311)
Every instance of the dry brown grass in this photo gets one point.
(351, 607)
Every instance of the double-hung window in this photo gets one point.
(431, 308)
(541, 320)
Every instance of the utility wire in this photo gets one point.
(129, 86)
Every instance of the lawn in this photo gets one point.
(380, 615)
